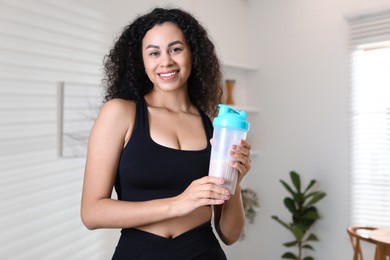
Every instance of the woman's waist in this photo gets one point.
(174, 227)
(199, 241)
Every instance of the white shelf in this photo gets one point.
(240, 73)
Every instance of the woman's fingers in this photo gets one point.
(210, 187)
(204, 191)
(210, 180)
(241, 154)
(243, 148)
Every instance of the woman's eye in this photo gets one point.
(175, 50)
(154, 53)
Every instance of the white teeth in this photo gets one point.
(168, 74)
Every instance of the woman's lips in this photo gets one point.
(168, 75)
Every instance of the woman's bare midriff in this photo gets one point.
(174, 227)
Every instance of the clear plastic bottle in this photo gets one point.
(230, 126)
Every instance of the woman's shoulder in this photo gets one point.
(118, 105)
(118, 109)
(120, 102)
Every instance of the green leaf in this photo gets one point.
(290, 205)
(281, 222)
(290, 244)
(312, 182)
(302, 227)
(311, 194)
(316, 198)
(307, 246)
(311, 214)
(298, 233)
(288, 188)
(312, 237)
(308, 258)
(299, 200)
(294, 229)
(289, 255)
(296, 180)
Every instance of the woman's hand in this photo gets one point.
(230, 217)
(201, 192)
(241, 154)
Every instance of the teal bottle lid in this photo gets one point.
(231, 118)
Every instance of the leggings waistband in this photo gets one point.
(142, 245)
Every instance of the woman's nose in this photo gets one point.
(166, 60)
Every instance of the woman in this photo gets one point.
(151, 141)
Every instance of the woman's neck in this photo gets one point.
(174, 101)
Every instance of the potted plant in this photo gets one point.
(251, 204)
(304, 214)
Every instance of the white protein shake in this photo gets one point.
(230, 127)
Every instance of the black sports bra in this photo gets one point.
(149, 171)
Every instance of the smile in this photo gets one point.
(168, 74)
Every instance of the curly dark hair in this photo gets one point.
(125, 73)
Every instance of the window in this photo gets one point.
(370, 118)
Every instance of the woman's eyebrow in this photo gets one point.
(152, 46)
(175, 42)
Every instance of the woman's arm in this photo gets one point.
(112, 128)
(230, 217)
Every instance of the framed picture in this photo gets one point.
(77, 107)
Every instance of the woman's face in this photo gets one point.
(167, 56)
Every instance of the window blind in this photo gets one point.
(369, 43)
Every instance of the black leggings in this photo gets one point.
(199, 243)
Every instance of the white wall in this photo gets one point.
(226, 21)
(43, 42)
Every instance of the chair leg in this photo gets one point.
(357, 251)
(382, 251)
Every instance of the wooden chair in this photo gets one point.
(356, 234)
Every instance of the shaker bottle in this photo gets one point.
(230, 126)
